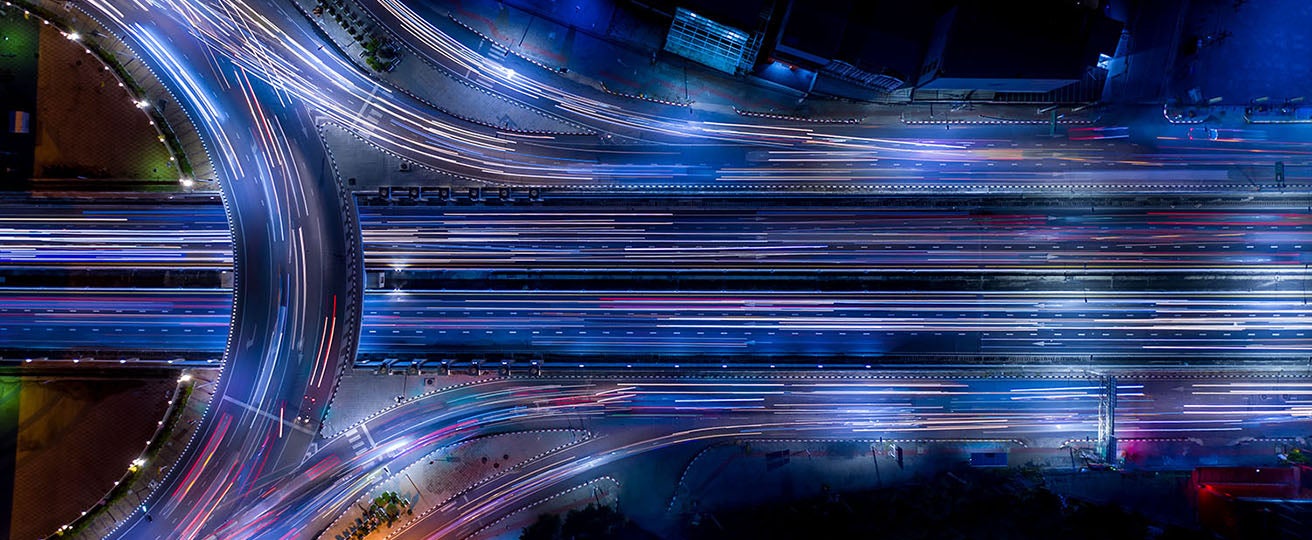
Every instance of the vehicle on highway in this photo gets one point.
(1203, 134)
(1098, 133)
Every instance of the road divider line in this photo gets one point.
(266, 414)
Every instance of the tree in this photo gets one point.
(593, 522)
(547, 527)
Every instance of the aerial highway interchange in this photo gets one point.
(680, 276)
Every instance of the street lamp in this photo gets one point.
(419, 495)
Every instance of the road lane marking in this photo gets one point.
(248, 407)
(365, 430)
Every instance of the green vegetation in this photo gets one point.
(18, 45)
(18, 90)
(380, 54)
(384, 510)
(595, 522)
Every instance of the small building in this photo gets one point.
(725, 36)
(709, 43)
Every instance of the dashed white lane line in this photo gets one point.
(265, 414)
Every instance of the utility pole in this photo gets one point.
(1052, 119)
(874, 454)
(418, 495)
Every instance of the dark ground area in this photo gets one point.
(1240, 50)
(81, 123)
(961, 504)
(965, 503)
(74, 438)
(9, 392)
(18, 76)
(89, 126)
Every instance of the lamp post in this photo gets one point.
(418, 495)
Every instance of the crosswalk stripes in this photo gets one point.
(359, 439)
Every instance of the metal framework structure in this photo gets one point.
(704, 41)
(1107, 419)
